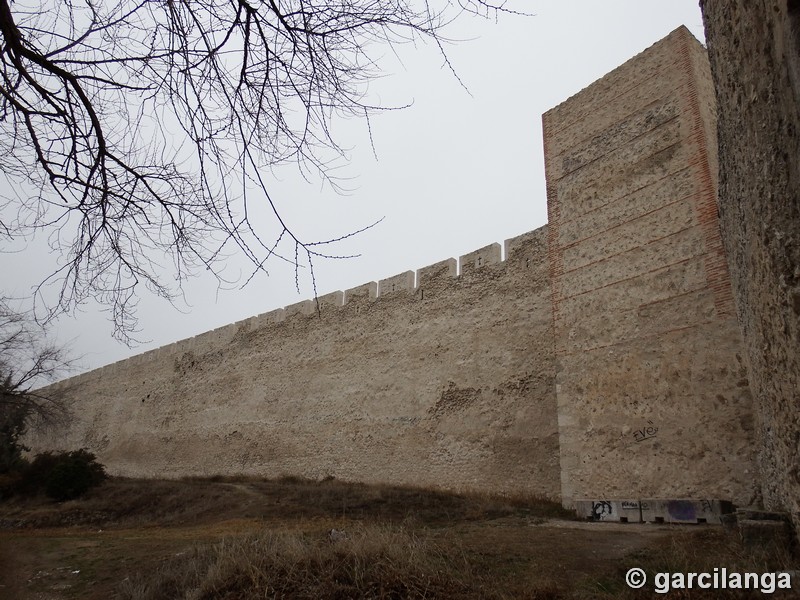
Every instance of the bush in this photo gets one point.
(12, 428)
(35, 474)
(61, 475)
(9, 484)
(73, 474)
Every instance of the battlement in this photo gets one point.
(419, 367)
(409, 283)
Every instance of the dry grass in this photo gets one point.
(701, 552)
(379, 562)
(124, 502)
(231, 538)
(371, 562)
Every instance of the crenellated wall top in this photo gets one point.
(407, 282)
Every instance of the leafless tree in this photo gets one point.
(139, 134)
(28, 360)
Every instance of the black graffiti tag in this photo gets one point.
(645, 433)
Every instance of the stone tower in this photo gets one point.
(651, 385)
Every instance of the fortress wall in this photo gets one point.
(652, 389)
(754, 47)
(600, 359)
(446, 384)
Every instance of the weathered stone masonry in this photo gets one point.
(601, 358)
(754, 46)
(446, 384)
(646, 337)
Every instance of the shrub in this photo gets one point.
(35, 474)
(60, 475)
(12, 428)
(9, 483)
(73, 474)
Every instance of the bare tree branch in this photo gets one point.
(27, 358)
(139, 125)
(27, 361)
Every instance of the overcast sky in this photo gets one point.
(454, 171)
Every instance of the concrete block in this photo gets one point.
(488, 255)
(618, 511)
(685, 510)
(403, 282)
(368, 291)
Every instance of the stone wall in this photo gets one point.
(449, 383)
(601, 358)
(652, 388)
(754, 47)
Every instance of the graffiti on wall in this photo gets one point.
(645, 433)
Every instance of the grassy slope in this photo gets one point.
(235, 538)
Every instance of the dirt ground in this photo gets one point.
(526, 548)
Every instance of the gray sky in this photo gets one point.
(454, 171)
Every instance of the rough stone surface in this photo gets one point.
(449, 384)
(754, 48)
(651, 385)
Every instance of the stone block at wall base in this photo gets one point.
(765, 531)
(766, 536)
